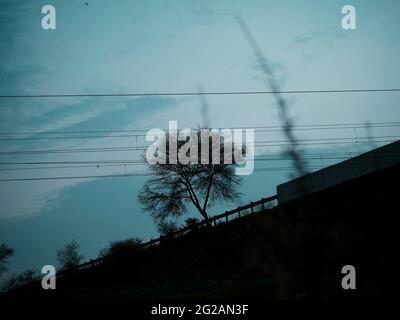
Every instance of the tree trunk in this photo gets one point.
(206, 218)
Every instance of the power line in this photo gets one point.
(98, 166)
(350, 125)
(71, 166)
(256, 143)
(324, 143)
(98, 162)
(257, 129)
(142, 174)
(75, 177)
(95, 163)
(157, 94)
(105, 163)
(127, 164)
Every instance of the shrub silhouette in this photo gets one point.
(116, 248)
(18, 280)
(190, 222)
(166, 228)
(68, 256)
(5, 253)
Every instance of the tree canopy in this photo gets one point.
(5, 253)
(176, 184)
(68, 256)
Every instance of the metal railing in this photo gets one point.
(213, 221)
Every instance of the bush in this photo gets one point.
(166, 228)
(121, 247)
(19, 280)
(5, 253)
(190, 222)
(68, 256)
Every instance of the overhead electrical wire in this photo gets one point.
(353, 140)
(141, 174)
(39, 165)
(197, 93)
(256, 128)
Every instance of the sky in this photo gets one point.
(171, 46)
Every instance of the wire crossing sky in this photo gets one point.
(77, 101)
(137, 94)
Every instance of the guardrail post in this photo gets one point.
(252, 210)
(239, 213)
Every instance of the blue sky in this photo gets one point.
(170, 46)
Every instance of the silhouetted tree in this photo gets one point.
(5, 253)
(18, 280)
(173, 186)
(68, 256)
(189, 222)
(166, 228)
(121, 247)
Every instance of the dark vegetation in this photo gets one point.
(68, 256)
(117, 248)
(281, 252)
(15, 281)
(293, 251)
(174, 186)
(5, 253)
